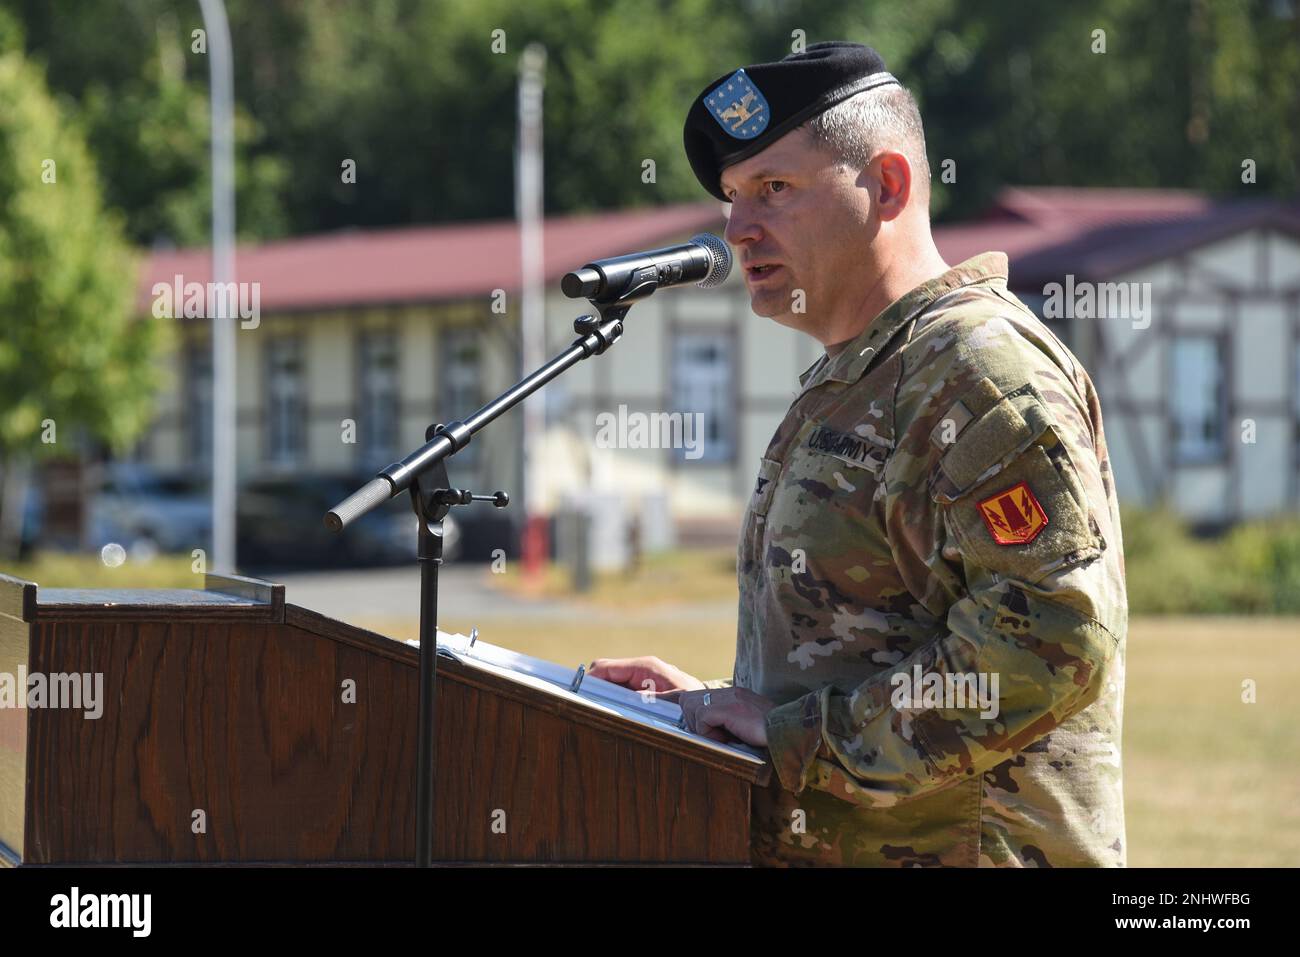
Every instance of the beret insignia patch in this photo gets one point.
(738, 105)
(1014, 516)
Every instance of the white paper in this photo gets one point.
(593, 692)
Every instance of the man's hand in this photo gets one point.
(730, 713)
(647, 673)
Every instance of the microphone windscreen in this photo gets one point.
(720, 254)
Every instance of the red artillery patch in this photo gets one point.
(1014, 517)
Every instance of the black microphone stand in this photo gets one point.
(425, 473)
(432, 498)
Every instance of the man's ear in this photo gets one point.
(893, 182)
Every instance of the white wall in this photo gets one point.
(1238, 287)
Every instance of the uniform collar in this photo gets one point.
(852, 361)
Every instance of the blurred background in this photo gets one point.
(378, 207)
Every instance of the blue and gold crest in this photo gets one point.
(739, 106)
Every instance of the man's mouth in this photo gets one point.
(761, 271)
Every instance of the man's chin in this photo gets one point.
(770, 307)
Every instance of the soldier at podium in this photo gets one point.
(932, 605)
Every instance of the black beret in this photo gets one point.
(742, 113)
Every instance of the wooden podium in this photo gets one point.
(236, 728)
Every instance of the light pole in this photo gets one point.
(528, 200)
(221, 97)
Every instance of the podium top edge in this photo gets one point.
(221, 594)
(17, 597)
(253, 588)
(54, 604)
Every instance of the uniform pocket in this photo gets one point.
(1024, 522)
(1013, 501)
(990, 442)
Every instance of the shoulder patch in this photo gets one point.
(1013, 516)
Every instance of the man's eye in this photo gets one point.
(774, 183)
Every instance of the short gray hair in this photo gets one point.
(854, 129)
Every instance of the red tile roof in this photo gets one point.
(427, 263)
(1048, 232)
(1059, 205)
(1045, 231)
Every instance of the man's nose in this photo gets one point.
(741, 225)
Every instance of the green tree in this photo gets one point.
(74, 359)
(412, 91)
(130, 73)
(1137, 93)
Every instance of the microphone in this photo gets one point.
(705, 261)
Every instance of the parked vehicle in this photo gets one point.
(281, 524)
(147, 511)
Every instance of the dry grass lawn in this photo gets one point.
(1209, 781)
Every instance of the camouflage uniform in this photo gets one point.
(938, 495)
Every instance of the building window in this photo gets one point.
(285, 405)
(703, 373)
(198, 403)
(460, 378)
(379, 411)
(1197, 399)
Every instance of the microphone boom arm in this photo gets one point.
(595, 335)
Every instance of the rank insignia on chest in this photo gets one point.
(1013, 516)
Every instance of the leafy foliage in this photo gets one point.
(71, 351)
(414, 93)
(1253, 569)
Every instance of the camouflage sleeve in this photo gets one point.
(997, 517)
